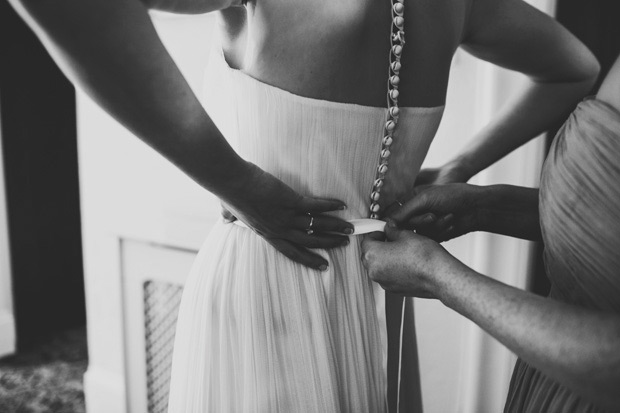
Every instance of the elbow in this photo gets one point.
(583, 67)
(591, 71)
(581, 71)
(586, 71)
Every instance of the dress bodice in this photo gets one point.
(319, 148)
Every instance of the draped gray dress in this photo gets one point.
(580, 221)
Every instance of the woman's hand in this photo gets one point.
(410, 264)
(452, 172)
(569, 343)
(441, 212)
(283, 217)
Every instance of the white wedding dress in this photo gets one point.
(258, 332)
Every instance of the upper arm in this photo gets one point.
(190, 6)
(610, 89)
(517, 36)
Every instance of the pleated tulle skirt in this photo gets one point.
(260, 333)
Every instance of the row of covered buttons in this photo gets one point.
(397, 44)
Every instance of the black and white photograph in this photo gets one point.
(309, 206)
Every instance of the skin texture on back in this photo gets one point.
(338, 51)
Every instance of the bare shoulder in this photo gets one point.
(609, 91)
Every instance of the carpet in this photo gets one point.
(48, 378)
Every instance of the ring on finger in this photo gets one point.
(309, 230)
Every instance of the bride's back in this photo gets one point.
(338, 50)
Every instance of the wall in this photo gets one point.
(40, 167)
(7, 319)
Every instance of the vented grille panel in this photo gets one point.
(161, 307)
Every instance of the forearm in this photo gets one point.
(533, 112)
(509, 210)
(577, 347)
(110, 49)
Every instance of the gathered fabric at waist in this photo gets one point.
(360, 226)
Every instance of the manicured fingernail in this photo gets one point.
(323, 267)
(348, 231)
(346, 242)
(449, 217)
(342, 207)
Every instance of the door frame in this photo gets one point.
(7, 318)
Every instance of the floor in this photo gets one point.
(48, 379)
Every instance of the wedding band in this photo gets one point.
(309, 230)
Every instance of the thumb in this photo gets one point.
(417, 205)
(393, 233)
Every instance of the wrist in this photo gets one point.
(240, 181)
(460, 168)
(488, 205)
(448, 284)
(509, 210)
